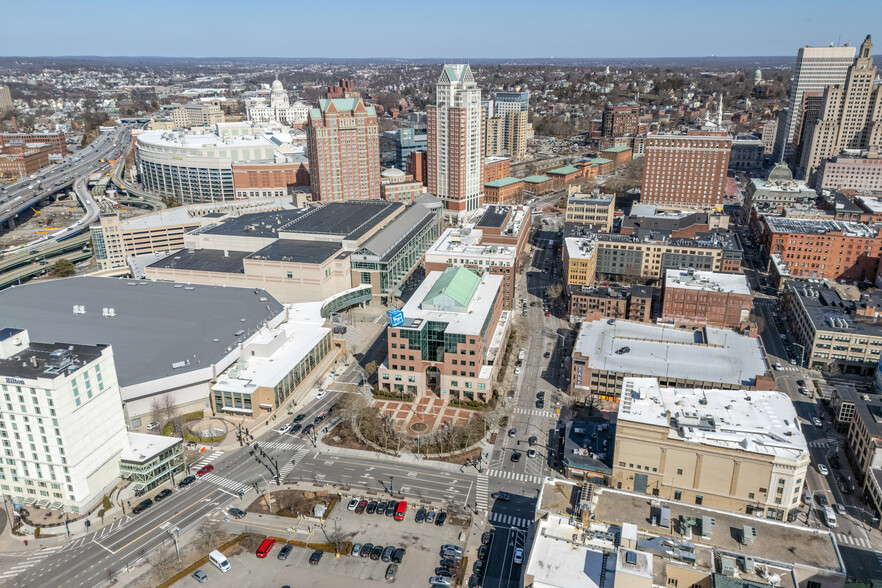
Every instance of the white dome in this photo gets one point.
(277, 86)
(392, 173)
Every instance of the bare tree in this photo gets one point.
(168, 407)
(210, 533)
(156, 410)
(370, 369)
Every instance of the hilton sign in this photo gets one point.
(14, 381)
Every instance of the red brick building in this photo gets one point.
(809, 248)
(706, 298)
(620, 120)
(417, 166)
(504, 191)
(634, 303)
(344, 151)
(56, 140)
(250, 179)
(496, 168)
(686, 170)
(620, 155)
(23, 163)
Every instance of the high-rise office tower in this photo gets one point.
(816, 68)
(5, 99)
(850, 116)
(344, 150)
(620, 120)
(456, 142)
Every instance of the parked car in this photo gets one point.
(162, 495)
(352, 504)
(356, 550)
(316, 557)
(283, 429)
(391, 508)
(236, 513)
(296, 429)
(441, 581)
(482, 551)
(439, 520)
(478, 567)
(449, 562)
(430, 516)
(546, 355)
(487, 538)
(362, 505)
(444, 571)
(299, 418)
(398, 555)
(150, 427)
(387, 553)
(371, 507)
(377, 552)
(366, 549)
(391, 570)
(421, 516)
(187, 481)
(381, 508)
(285, 551)
(142, 506)
(321, 394)
(199, 576)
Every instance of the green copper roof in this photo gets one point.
(617, 149)
(503, 182)
(565, 170)
(344, 105)
(536, 179)
(457, 283)
(600, 161)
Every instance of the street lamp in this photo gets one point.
(391, 487)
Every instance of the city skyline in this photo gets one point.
(687, 29)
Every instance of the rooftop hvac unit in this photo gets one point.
(707, 527)
(749, 565)
(727, 565)
(748, 535)
(665, 520)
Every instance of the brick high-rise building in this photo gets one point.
(55, 139)
(851, 115)
(344, 150)
(456, 142)
(686, 170)
(417, 163)
(620, 120)
(6, 103)
(816, 68)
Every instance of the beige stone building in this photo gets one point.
(596, 210)
(736, 450)
(196, 114)
(851, 115)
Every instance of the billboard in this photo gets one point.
(394, 317)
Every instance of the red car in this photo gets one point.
(362, 504)
(547, 313)
(204, 470)
(265, 547)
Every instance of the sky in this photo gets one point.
(453, 29)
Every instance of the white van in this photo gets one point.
(220, 560)
(829, 517)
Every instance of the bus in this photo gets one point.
(400, 511)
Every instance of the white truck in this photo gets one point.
(829, 517)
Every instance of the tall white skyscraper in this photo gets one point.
(456, 142)
(816, 68)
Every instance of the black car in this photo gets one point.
(286, 550)
(299, 418)
(540, 404)
(421, 516)
(439, 520)
(478, 567)
(187, 481)
(162, 495)
(366, 549)
(540, 394)
(487, 538)
(474, 581)
(503, 496)
(381, 508)
(391, 508)
(800, 383)
(372, 507)
(308, 429)
(236, 513)
(318, 419)
(482, 551)
(547, 354)
(387, 553)
(444, 571)
(142, 506)
(398, 555)
(532, 440)
(377, 552)
(316, 557)
(295, 429)
(516, 456)
(449, 562)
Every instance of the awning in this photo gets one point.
(238, 410)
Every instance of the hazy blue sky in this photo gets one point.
(451, 29)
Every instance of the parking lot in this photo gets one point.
(422, 542)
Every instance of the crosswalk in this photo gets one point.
(481, 492)
(207, 459)
(515, 476)
(513, 521)
(27, 563)
(224, 482)
(532, 411)
(788, 368)
(280, 445)
(851, 540)
(823, 442)
(292, 463)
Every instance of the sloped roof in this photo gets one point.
(565, 170)
(458, 283)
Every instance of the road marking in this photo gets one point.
(148, 531)
(481, 491)
(107, 548)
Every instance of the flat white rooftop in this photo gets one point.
(708, 281)
(557, 562)
(755, 421)
(143, 447)
(717, 356)
(200, 140)
(873, 203)
(465, 323)
(465, 244)
(818, 226)
(579, 247)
